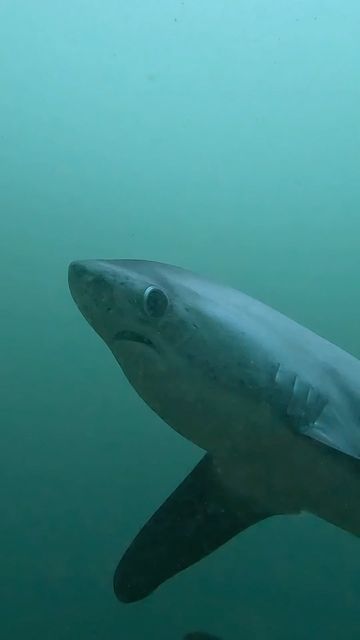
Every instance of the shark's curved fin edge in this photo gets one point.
(193, 522)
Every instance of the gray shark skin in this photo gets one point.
(275, 407)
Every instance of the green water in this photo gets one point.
(220, 136)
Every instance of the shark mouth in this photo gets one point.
(133, 336)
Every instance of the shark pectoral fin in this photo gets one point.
(195, 520)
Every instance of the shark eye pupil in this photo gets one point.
(155, 302)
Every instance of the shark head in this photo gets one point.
(133, 307)
(160, 323)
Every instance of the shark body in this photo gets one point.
(275, 407)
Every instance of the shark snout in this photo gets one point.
(77, 268)
(80, 270)
(83, 275)
(92, 284)
(79, 275)
(87, 283)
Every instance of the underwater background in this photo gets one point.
(220, 136)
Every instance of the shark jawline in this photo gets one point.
(133, 336)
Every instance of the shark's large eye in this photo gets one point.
(155, 302)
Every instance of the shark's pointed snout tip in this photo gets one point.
(77, 271)
(76, 268)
